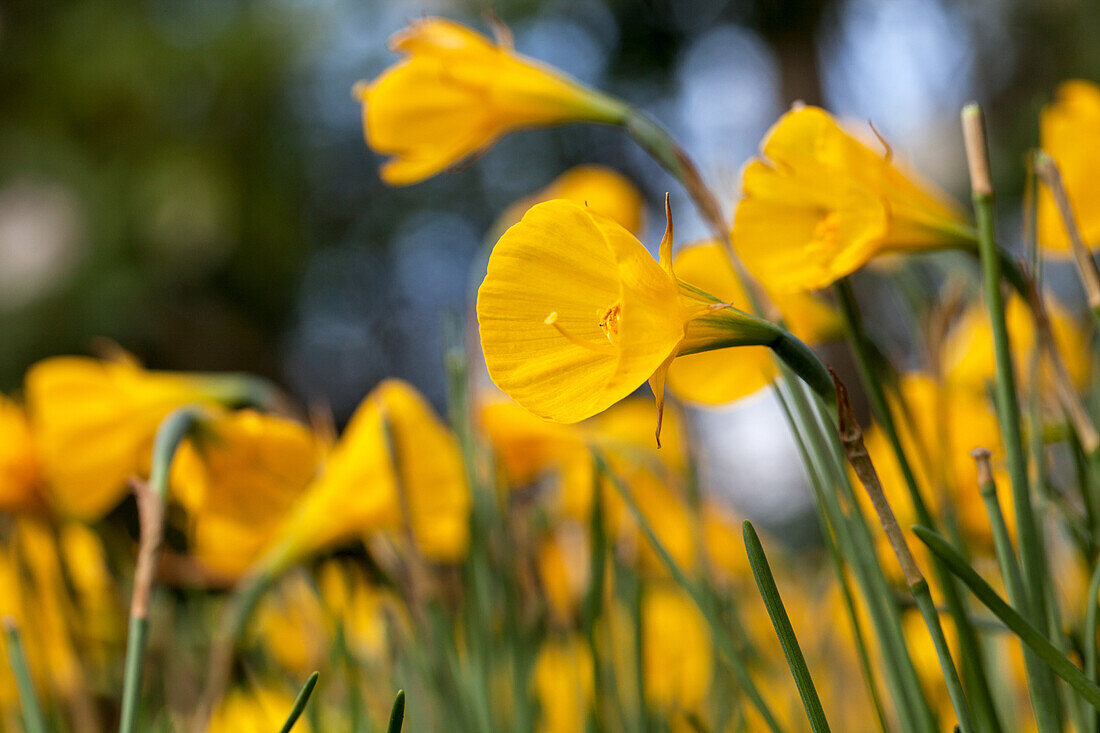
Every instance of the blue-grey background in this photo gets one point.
(190, 180)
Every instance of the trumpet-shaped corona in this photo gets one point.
(575, 314)
(396, 468)
(819, 205)
(457, 92)
(1068, 129)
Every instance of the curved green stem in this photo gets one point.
(151, 498)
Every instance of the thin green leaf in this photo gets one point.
(300, 703)
(397, 713)
(783, 629)
(1027, 633)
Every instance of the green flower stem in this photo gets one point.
(1090, 638)
(720, 634)
(592, 606)
(729, 328)
(246, 596)
(484, 516)
(1008, 408)
(151, 500)
(851, 436)
(397, 713)
(1027, 633)
(871, 379)
(765, 583)
(300, 703)
(829, 533)
(656, 141)
(1041, 688)
(855, 543)
(33, 719)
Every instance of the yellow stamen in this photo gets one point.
(552, 320)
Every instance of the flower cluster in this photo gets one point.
(536, 560)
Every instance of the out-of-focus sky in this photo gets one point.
(190, 180)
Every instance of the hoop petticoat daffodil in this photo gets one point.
(458, 92)
(575, 315)
(819, 204)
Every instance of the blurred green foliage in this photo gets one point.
(166, 127)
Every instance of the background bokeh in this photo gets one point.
(189, 179)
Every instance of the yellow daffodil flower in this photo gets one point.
(1068, 129)
(457, 92)
(238, 477)
(564, 684)
(678, 657)
(819, 205)
(396, 468)
(968, 351)
(259, 710)
(94, 422)
(603, 190)
(575, 314)
(21, 482)
(718, 377)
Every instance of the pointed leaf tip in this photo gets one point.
(397, 713)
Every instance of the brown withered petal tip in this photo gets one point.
(847, 425)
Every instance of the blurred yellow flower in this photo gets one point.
(722, 536)
(261, 709)
(94, 422)
(940, 425)
(677, 655)
(564, 684)
(562, 558)
(458, 92)
(396, 468)
(575, 314)
(20, 469)
(291, 624)
(1068, 129)
(718, 377)
(368, 615)
(968, 359)
(820, 204)
(603, 190)
(99, 615)
(34, 593)
(238, 477)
